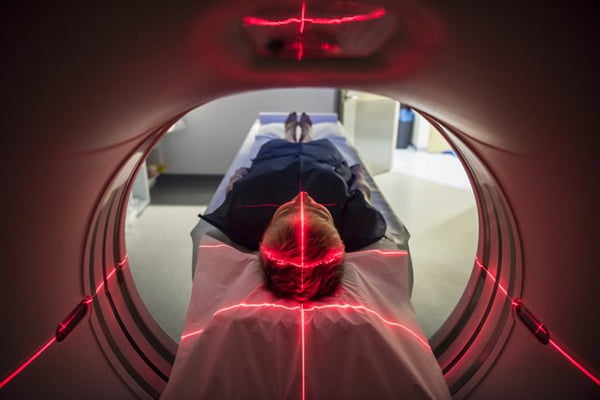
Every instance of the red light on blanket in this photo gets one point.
(350, 307)
(315, 31)
(302, 349)
(420, 339)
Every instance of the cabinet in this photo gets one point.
(372, 123)
(139, 198)
(152, 167)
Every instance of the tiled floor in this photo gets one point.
(429, 192)
(159, 246)
(432, 196)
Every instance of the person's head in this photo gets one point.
(301, 251)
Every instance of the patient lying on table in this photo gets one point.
(323, 310)
(300, 205)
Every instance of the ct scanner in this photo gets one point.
(90, 89)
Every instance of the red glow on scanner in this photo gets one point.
(380, 12)
(26, 363)
(299, 44)
(302, 17)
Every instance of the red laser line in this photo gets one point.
(26, 363)
(331, 256)
(187, 335)
(302, 17)
(101, 284)
(302, 239)
(300, 33)
(424, 342)
(303, 352)
(493, 278)
(62, 327)
(214, 246)
(300, 49)
(380, 12)
(65, 325)
(540, 326)
(255, 305)
(574, 362)
(384, 252)
(313, 308)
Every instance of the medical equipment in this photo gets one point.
(513, 88)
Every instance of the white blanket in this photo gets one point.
(241, 342)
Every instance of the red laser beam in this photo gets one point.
(302, 17)
(62, 326)
(194, 333)
(493, 278)
(327, 306)
(214, 246)
(380, 12)
(281, 260)
(541, 327)
(302, 239)
(117, 267)
(423, 341)
(26, 363)
(302, 328)
(572, 360)
(384, 252)
(299, 44)
(303, 335)
(255, 305)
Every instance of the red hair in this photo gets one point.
(302, 272)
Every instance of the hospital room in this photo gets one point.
(300, 200)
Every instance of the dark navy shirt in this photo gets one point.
(279, 172)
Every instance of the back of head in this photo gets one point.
(302, 265)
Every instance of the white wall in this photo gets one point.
(215, 131)
(421, 132)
